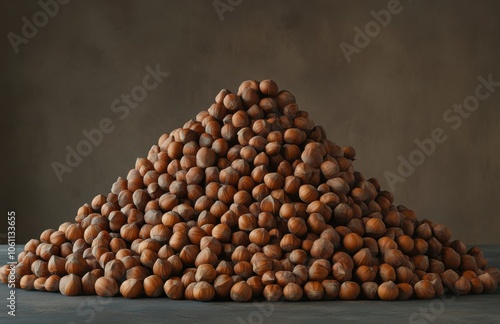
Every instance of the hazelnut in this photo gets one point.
(284, 98)
(115, 269)
(188, 277)
(284, 277)
(386, 243)
(56, 265)
(297, 226)
(405, 291)
(203, 291)
(70, 285)
(273, 292)
(243, 269)
(420, 262)
(424, 289)
(369, 290)
(148, 258)
(435, 247)
(105, 258)
(301, 274)
(489, 282)
(222, 285)
(174, 289)
(437, 283)
(195, 234)
(241, 292)
(476, 286)
(47, 250)
(274, 180)
(463, 286)
(292, 184)
(316, 222)
(255, 282)
(270, 204)
(212, 243)
(387, 272)
(262, 265)
(290, 242)
(188, 254)
(423, 231)
(39, 284)
(178, 240)
(308, 193)
(131, 288)
(441, 232)
(129, 232)
(458, 246)
(27, 282)
(332, 288)
(268, 87)
(352, 242)
(28, 259)
(221, 232)
(106, 287)
(162, 268)
(89, 280)
(344, 258)
(287, 211)
(52, 283)
(449, 278)
(321, 249)
(343, 213)
(363, 257)
(403, 274)
(298, 256)
(74, 232)
(232, 102)
(123, 253)
(338, 185)
(375, 227)
(205, 272)
(365, 273)
(371, 244)
(314, 290)
(286, 264)
(392, 219)
(405, 244)
(205, 256)
(451, 258)
(319, 270)
(394, 257)
(76, 264)
(388, 291)
(494, 272)
(153, 286)
(247, 222)
(341, 272)
(349, 290)
(293, 292)
(468, 262)
(40, 268)
(224, 267)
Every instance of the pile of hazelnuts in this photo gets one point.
(250, 200)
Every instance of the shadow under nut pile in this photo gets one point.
(250, 200)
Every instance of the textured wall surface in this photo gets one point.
(399, 87)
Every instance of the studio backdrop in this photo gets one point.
(413, 86)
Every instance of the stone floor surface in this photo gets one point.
(43, 307)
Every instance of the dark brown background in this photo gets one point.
(392, 93)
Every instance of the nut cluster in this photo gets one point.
(250, 200)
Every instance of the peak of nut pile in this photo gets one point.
(250, 200)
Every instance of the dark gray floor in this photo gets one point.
(42, 307)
